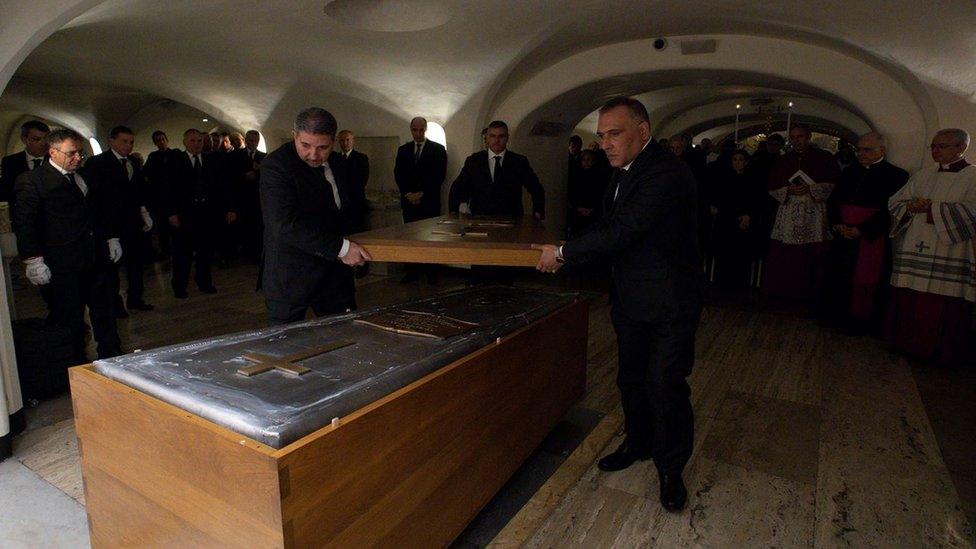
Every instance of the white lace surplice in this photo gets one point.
(802, 219)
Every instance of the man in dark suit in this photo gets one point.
(32, 134)
(491, 181)
(155, 172)
(124, 184)
(195, 206)
(307, 262)
(67, 235)
(649, 237)
(419, 171)
(356, 165)
(245, 167)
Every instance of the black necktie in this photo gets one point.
(74, 183)
(125, 167)
(498, 170)
(196, 163)
(37, 162)
(416, 154)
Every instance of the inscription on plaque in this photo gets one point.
(417, 323)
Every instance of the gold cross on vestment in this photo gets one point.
(287, 364)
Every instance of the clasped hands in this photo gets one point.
(919, 205)
(799, 189)
(847, 231)
(414, 198)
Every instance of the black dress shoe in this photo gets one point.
(140, 306)
(624, 457)
(180, 294)
(208, 290)
(674, 495)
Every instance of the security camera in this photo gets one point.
(660, 44)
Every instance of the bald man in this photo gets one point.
(860, 259)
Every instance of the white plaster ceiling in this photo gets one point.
(244, 60)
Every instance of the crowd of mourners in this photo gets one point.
(867, 248)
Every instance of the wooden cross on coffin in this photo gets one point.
(287, 364)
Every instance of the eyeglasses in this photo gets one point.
(71, 154)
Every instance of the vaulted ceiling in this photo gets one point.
(376, 63)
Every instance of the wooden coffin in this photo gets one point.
(410, 469)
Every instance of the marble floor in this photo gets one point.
(803, 437)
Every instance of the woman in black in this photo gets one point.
(586, 193)
(740, 197)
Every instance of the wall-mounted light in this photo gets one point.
(206, 120)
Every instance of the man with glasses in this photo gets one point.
(32, 134)
(67, 234)
(933, 224)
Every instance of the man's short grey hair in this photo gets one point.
(960, 136)
(882, 140)
(316, 121)
(418, 118)
(60, 135)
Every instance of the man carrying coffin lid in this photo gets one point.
(307, 262)
(649, 236)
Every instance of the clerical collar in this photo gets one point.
(956, 166)
(876, 162)
(627, 167)
(119, 156)
(31, 158)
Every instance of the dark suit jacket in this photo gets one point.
(356, 166)
(426, 176)
(303, 231)
(243, 193)
(11, 166)
(474, 186)
(125, 195)
(649, 234)
(55, 220)
(179, 192)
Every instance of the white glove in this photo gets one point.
(37, 271)
(147, 222)
(114, 250)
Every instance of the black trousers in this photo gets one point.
(654, 360)
(282, 312)
(133, 259)
(193, 241)
(69, 293)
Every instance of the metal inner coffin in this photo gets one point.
(276, 408)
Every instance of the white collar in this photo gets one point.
(117, 155)
(190, 156)
(31, 158)
(59, 168)
(493, 154)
